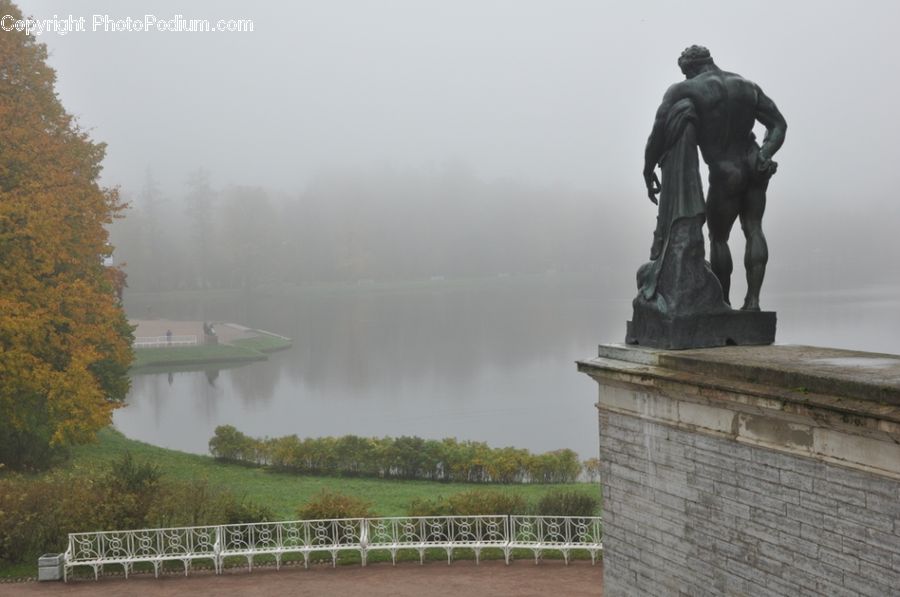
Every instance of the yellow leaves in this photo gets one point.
(65, 345)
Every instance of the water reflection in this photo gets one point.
(491, 361)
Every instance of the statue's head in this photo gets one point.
(693, 59)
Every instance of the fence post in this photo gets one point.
(219, 560)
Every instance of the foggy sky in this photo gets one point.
(550, 92)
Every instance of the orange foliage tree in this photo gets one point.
(65, 344)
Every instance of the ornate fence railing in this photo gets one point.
(538, 534)
(559, 533)
(164, 341)
(298, 536)
(443, 532)
(155, 546)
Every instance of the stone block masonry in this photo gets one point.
(764, 471)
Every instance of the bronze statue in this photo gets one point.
(683, 301)
(727, 106)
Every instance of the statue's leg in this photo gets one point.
(721, 211)
(756, 254)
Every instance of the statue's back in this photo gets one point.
(726, 105)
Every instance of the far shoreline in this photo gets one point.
(232, 344)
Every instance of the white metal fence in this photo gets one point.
(154, 546)
(537, 534)
(164, 341)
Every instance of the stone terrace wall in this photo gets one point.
(692, 514)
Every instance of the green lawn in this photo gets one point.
(263, 343)
(283, 492)
(239, 351)
(186, 355)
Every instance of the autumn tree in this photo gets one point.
(592, 468)
(65, 344)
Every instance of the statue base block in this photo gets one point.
(705, 330)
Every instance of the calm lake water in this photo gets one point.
(489, 360)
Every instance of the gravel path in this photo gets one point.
(158, 327)
(461, 579)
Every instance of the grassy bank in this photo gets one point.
(283, 492)
(193, 355)
(263, 343)
(239, 351)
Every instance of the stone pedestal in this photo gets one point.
(755, 471)
(650, 328)
(50, 567)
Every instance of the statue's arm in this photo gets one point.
(656, 144)
(656, 141)
(776, 126)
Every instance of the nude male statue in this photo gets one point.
(727, 106)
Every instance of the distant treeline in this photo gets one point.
(355, 226)
(399, 458)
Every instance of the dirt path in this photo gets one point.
(158, 327)
(461, 579)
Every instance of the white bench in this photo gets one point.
(155, 546)
(555, 533)
(444, 532)
(364, 535)
(299, 536)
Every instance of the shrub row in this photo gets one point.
(36, 515)
(329, 504)
(397, 458)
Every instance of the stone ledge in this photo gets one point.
(708, 391)
(846, 373)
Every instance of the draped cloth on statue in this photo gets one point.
(678, 281)
(681, 192)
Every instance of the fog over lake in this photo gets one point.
(441, 203)
(487, 360)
